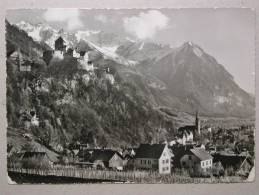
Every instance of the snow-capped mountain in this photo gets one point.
(141, 50)
(47, 34)
(185, 77)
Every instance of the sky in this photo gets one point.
(226, 34)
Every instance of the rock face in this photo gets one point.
(196, 80)
(117, 103)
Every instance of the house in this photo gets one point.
(234, 163)
(85, 65)
(129, 151)
(197, 160)
(37, 160)
(217, 169)
(60, 44)
(186, 136)
(153, 157)
(103, 158)
(25, 66)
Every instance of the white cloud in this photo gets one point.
(101, 18)
(70, 16)
(146, 24)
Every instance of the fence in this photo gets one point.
(123, 176)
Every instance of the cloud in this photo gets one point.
(101, 18)
(146, 24)
(70, 16)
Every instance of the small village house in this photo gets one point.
(102, 158)
(37, 160)
(234, 163)
(197, 160)
(153, 157)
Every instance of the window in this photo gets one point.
(163, 161)
(144, 161)
(149, 162)
(140, 161)
(190, 157)
(207, 163)
(167, 160)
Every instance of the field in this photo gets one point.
(77, 175)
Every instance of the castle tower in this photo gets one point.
(60, 45)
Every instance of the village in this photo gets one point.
(198, 150)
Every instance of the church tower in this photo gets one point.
(198, 123)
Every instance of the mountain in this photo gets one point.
(45, 33)
(139, 92)
(192, 78)
(185, 78)
(142, 50)
(104, 43)
(72, 104)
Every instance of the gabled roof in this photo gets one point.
(102, 154)
(38, 155)
(230, 160)
(150, 151)
(201, 153)
(60, 39)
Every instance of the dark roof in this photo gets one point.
(60, 39)
(188, 129)
(229, 160)
(38, 155)
(201, 153)
(34, 155)
(102, 154)
(150, 151)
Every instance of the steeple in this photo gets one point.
(198, 123)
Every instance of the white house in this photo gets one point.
(187, 137)
(35, 121)
(197, 159)
(153, 157)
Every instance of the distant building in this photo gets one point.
(240, 164)
(60, 45)
(70, 52)
(190, 133)
(85, 64)
(39, 159)
(35, 121)
(102, 158)
(25, 66)
(153, 157)
(186, 135)
(129, 151)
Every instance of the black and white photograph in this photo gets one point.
(129, 96)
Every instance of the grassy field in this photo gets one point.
(75, 175)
